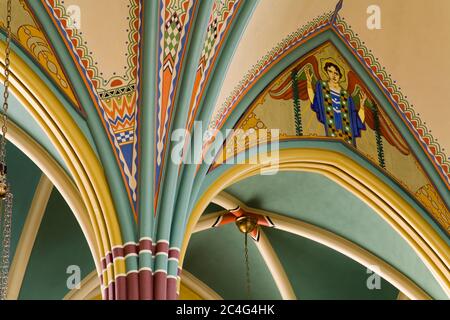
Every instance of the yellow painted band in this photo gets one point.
(120, 266)
(74, 148)
(61, 180)
(402, 217)
(28, 102)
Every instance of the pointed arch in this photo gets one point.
(357, 179)
(82, 163)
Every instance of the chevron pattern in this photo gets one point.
(421, 132)
(222, 14)
(174, 30)
(116, 99)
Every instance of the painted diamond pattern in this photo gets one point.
(211, 39)
(172, 35)
(125, 137)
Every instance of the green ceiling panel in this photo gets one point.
(23, 176)
(316, 199)
(216, 257)
(212, 208)
(318, 272)
(60, 243)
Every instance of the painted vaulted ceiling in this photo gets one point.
(101, 88)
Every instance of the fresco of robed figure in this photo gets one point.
(334, 107)
(344, 113)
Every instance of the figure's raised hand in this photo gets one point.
(308, 76)
(363, 98)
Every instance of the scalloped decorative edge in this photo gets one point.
(398, 99)
(419, 129)
(272, 56)
(72, 34)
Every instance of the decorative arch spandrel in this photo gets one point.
(304, 102)
(28, 35)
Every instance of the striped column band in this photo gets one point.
(114, 274)
(172, 273)
(130, 251)
(160, 274)
(122, 280)
(107, 275)
(103, 287)
(120, 277)
(145, 250)
(111, 290)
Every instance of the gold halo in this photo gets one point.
(332, 60)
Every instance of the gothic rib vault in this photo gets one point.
(99, 88)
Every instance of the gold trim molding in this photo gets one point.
(389, 205)
(72, 145)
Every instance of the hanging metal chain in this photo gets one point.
(6, 83)
(6, 244)
(5, 194)
(247, 266)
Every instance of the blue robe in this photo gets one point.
(318, 106)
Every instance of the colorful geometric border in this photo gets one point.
(34, 51)
(88, 71)
(404, 109)
(325, 22)
(319, 24)
(223, 13)
(175, 22)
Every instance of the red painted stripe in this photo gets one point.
(121, 288)
(107, 260)
(117, 253)
(172, 289)
(174, 254)
(130, 249)
(105, 294)
(162, 247)
(133, 286)
(145, 285)
(160, 288)
(146, 245)
(103, 262)
(111, 291)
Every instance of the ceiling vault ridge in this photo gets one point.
(232, 206)
(81, 160)
(199, 287)
(88, 285)
(405, 218)
(62, 182)
(220, 61)
(188, 97)
(160, 68)
(165, 209)
(311, 232)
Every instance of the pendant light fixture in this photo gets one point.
(246, 224)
